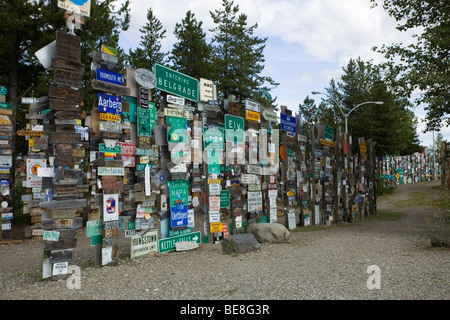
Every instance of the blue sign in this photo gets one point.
(110, 104)
(288, 123)
(179, 215)
(108, 76)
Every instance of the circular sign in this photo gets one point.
(145, 78)
(4, 204)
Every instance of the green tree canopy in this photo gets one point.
(425, 64)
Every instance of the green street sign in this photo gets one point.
(175, 82)
(5, 105)
(224, 198)
(103, 148)
(328, 134)
(143, 122)
(152, 108)
(234, 129)
(168, 244)
(213, 138)
(177, 131)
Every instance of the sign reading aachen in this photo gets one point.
(174, 82)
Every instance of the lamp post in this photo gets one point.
(348, 113)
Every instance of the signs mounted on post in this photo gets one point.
(178, 199)
(234, 129)
(288, 123)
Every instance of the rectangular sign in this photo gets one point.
(252, 116)
(253, 106)
(110, 171)
(109, 103)
(174, 82)
(109, 117)
(254, 201)
(76, 6)
(108, 76)
(168, 244)
(142, 244)
(288, 123)
(176, 113)
(234, 129)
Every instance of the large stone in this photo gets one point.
(440, 239)
(240, 243)
(269, 232)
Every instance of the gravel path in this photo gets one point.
(326, 264)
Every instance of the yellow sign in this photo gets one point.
(109, 117)
(176, 113)
(363, 147)
(29, 133)
(215, 227)
(214, 181)
(252, 116)
(327, 143)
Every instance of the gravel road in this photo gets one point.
(326, 264)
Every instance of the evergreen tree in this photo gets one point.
(238, 56)
(191, 53)
(149, 51)
(424, 64)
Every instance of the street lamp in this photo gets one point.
(348, 113)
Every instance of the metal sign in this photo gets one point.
(168, 244)
(253, 106)
(143, 243)
(29, 100)
(145, 78)
(234, 129)
(109, 103)
(252, 116)
(174, 82)
(81, 7)
(207, 90)
(270, 116)
(175, 100)
(288, 123)
(108, 76)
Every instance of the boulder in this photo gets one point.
(240, 243)
(269, 232)
(440, 239)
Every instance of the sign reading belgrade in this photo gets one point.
(174, 82)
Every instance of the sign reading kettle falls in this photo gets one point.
(174, 82)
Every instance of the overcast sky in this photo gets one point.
(309, 41)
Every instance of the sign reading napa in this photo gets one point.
(109, 103)
(81, 7)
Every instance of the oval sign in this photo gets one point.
(145, 78)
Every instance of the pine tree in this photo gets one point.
(149, 51)
(191, 54)
(238, 55)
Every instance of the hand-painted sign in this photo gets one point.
(110, 207)
(81, 7)
(174, 82)
(142, 244)
(176, 129)
(109, 103)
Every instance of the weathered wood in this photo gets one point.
(109, 87)
(67, 64)
(61, 255)
(67, 78)
(64, 105)
(76, 203)
(64, 161)
(64, 138)
(65, 128)
(70, 115)
(68, 47)
(64, 149)
(74, 223)
(65, 93)
(63, 214)
(60, 244)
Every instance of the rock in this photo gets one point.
(441, 239)
(240, 243)
(269, 232)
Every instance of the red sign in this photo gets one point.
(225, 231)
(128, 154)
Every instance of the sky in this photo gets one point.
(308, 41)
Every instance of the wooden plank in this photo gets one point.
(67, 78)
(65, 93)
(74, 223)
(60, 244)
(68, 47)
(64, 105)
(64, 161)
(67, 65)
(62, 213)
(61, 255)
(65, 128)
(109, 87)
(68, 204)
(64, 138)
(70, 115)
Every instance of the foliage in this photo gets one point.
(191, 54)
(237, 56)
(424, 64)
